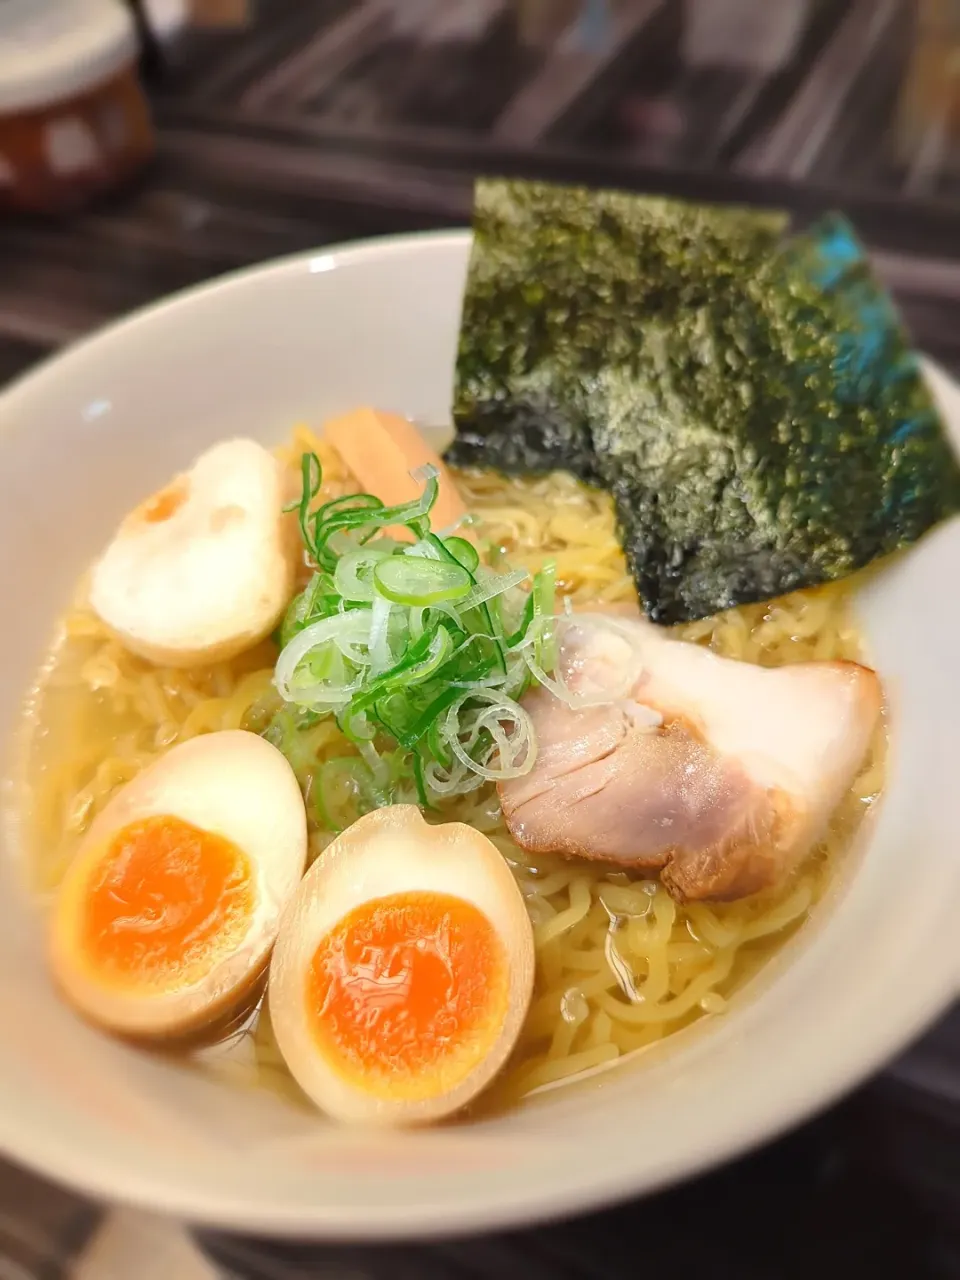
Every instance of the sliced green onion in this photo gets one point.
(514, 754)
(412, 581)
(436, 745)
(309, 691)
(627, 674)
(344, 791)
(425, 550)
(350, 503)
(353, 576)
(544, 596)
(379, 770)
(355, 725)
(422, 798)
(311, 477)
(441, 647)
(492, 586)
(465, 552)
(414, 642)
(425, 473)
(457, 780)
(408, 719)
(378, 643)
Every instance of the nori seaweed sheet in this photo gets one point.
(750, 401)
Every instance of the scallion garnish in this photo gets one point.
(419, 651)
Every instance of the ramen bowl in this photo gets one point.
(81, 440)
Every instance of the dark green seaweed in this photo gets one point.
(751, 402)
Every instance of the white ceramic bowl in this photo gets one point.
(87, 435)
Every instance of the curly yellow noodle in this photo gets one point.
(619, 963)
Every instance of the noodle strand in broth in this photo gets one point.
(619, 963)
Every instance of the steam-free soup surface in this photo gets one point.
(620, 964)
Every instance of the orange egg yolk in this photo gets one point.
(164, 903)
(407, 994)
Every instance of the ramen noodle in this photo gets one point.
(619, 963)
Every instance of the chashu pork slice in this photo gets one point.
(719, 774)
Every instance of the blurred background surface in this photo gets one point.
(285, 123)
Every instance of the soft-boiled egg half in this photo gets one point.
(403, 970)
(168, 913)
(203, 569)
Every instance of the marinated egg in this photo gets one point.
(403, 970)
(203, 569)
(167, 915)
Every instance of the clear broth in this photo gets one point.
(620, 965)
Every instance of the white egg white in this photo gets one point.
(203, 569)
(232, 784)
(394, 851)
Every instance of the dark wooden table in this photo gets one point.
(328, 120)
(331, 119)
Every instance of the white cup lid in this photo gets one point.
(55, 49)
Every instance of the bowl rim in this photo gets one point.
(589, 1187)
(319, 260)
